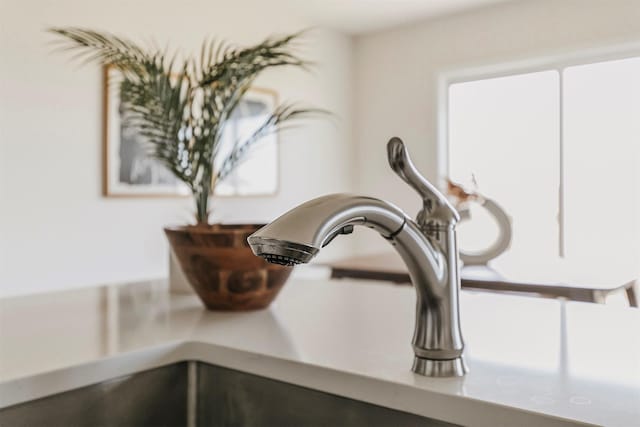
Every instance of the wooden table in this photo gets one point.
(389, 267)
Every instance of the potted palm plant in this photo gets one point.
(181, 110)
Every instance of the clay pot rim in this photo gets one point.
(215, 228)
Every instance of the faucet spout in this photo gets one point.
(430, 254)
(298, 235)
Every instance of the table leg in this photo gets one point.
(631, 294)
(598, 297)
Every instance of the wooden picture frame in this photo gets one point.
(128, 171)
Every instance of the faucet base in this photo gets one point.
(439, 368)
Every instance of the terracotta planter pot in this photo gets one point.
(221, 268)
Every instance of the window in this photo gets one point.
(559, 149)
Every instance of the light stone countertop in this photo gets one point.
(532, 361)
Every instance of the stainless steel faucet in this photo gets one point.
(428, 247)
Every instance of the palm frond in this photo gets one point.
(104, 48)
(283, 114)
(182, 114)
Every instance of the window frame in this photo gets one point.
(557, 62)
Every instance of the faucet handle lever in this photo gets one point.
(436, 205)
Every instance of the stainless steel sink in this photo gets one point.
(198, 394)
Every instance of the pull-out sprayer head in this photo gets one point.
(281, 252)
(298, 235)
(281, 259)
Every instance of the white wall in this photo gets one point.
(56, 230)
(396, 89)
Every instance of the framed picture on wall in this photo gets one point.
(129, 170)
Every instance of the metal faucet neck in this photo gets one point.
(437, 339)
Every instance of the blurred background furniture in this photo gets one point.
(388, 267)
